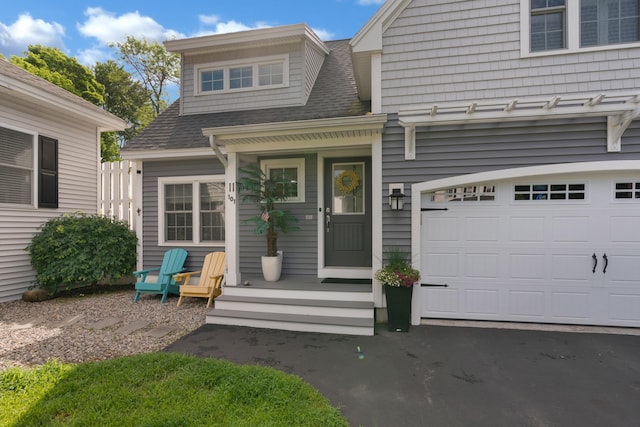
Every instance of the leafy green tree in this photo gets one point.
(125, 98)
(152, 65)
(53, 65)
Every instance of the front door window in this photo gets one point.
(348, 189)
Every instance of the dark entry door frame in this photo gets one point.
(352, 222)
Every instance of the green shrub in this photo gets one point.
(76, 249)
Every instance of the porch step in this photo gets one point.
(310, 309)
(293, 322)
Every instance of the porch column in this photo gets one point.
(231, 222)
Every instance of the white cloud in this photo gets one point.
(89, 57)
(107, 27)
(324, 34)
(211, 25)
(209, 19)
(15, 37)
(369, 2)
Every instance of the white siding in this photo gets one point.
(249, 99)
(444, 51)
(78, 157)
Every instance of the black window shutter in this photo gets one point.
(47, 172)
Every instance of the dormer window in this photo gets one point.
(271, 72)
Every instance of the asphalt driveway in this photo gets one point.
(449, 376)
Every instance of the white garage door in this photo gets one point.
(563, 249)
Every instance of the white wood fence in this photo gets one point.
(117, 190)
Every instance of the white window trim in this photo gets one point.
(34, 169)
(632, 200)
(545, 181)
(194, 180)
(227, 65)
(572, 33)
(299, 163)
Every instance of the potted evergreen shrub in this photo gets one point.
(266, 191)
(398, 278)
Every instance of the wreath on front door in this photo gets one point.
(347, 181)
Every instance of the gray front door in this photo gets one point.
(347, 201)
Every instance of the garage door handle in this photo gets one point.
(606, 263)
(595, 262)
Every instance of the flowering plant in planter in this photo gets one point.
(398, 277)
(397, 272)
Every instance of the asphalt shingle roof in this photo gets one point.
(334, 95)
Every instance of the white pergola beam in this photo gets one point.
(620, 109)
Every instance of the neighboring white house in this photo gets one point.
(509, 126)
(49, 164)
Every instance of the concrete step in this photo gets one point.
(293, 322)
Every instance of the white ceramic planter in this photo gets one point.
(272, 267)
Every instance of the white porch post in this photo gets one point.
(231, 222)
(376, 204)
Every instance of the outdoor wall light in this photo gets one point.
(396, 197)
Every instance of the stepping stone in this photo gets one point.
(132, 327)
(65, 322)
(159, 331)
(29, 323)
(104, 323)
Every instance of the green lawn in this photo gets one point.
(160, 389)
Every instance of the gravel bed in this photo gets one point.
(24, 344)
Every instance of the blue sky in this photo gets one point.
(84, 28)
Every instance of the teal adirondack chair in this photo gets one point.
(172, 264)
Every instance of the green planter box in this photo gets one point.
(398, 307)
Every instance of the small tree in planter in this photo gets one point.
(266, 191)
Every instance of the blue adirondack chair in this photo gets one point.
(172, 264)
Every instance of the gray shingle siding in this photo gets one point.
(300, 246)
(447, 151)
(443, 51)
(152, 253)
(244, 100)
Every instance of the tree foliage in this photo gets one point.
(125, 98)
(77, 249)
(53, 65)
(152, 65)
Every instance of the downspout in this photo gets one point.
(216, 149)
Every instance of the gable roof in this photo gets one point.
(25, 85)
(334, 95)
(368, 41)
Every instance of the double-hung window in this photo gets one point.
(548, 23)
(289, 173)
(28, 167)
(259, 73)
(561, 26)
(605, 22)
(191, 210)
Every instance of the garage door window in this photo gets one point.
(628, 190)
(472, 193)
(538, 192)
